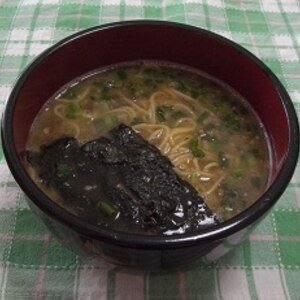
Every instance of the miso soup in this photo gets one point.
(212, 138)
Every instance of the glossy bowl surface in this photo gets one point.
(155, 40)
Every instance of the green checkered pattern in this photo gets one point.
(33, 263)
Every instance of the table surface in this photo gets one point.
(33, 263)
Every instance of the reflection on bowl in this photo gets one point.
(151, 40)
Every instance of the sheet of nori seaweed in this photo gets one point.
(130, 174)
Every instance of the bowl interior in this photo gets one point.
(181, 44)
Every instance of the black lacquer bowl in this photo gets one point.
(156, 40)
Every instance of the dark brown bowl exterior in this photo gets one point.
(156, 40)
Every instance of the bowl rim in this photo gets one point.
(217, 232)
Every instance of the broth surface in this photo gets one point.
(208, 132)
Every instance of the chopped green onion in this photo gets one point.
(195, 149)
(194, 178)
(232, 122)
(182, 86)
(160, 112)
(63, 170)
(105, 94)
(238, 172)
(106, 121)
(73, 110)
(228, 213)
(107, 208)
(109, 84)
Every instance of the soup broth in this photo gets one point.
(209, 133)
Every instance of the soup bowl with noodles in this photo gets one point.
(150, 150)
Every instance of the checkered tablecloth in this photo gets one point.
(33, 264)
